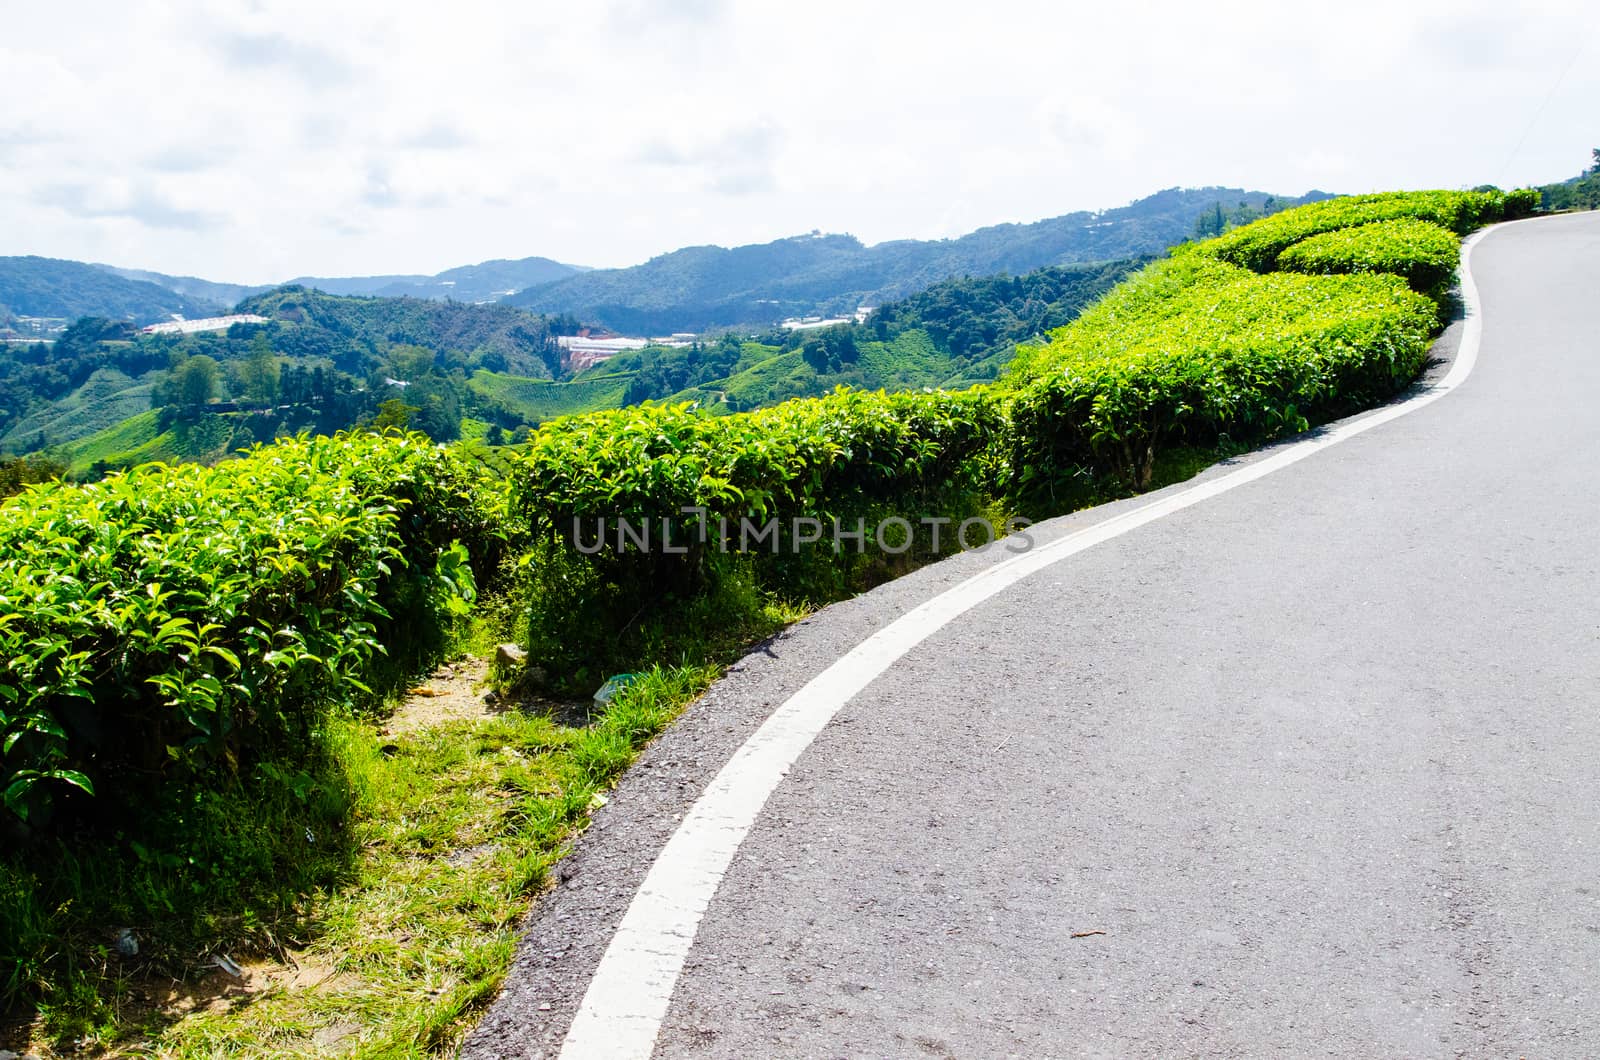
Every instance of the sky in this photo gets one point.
(257, 141)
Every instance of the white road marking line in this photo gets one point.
(632, 988)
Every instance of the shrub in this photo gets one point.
(1420, 252)
(1195, 352)
(176, 623)
(1256, 246)
(1523, 202)
(849, 456)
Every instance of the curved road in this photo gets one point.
(1309, 768)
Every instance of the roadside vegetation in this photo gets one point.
(199, 761)
(1580, 193)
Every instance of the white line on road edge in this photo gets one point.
(628, 997)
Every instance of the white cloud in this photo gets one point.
(269, 139)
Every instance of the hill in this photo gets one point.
(354, 331)
(320, 362)
(1576, 193)
(220, 294)
(700, 288)
(486, 281)
(951, 335)
(51, 287)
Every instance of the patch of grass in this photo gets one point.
(137, 439)
(105, 399)
(448, 836)
(537, 400)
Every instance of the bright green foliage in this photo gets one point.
(1420, 251)
(849, 455)
(1196, 352)
(1214, 348)
(536, 400)
(174, 621)
(1257, 246)
(804, 457)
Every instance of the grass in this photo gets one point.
(458, 826)
(105, 399)
(537, 400)
(138, 438)
(391, 921)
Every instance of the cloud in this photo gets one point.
(437, 135)
(207, 139)
(639, 17)
(274, 51)
(190, 157)
(141, 204)
(739, 161)
(379, 190)
(1088, 126)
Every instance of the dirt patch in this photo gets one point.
(218, 988)
(460, 691)
(453, 692)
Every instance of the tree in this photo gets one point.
(259, 373)
(196, 381)
(1594, 170)
(410, 362)
(495, 435)
(394, 413)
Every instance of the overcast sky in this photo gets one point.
(252, 142)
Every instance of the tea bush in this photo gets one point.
(1256, 246)
(1421, 252)
(850, 456)
(175, 623)
(1196, 352)
(1216, 348)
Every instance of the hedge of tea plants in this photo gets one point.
(1214, 347)
(170, 625)
(1420, 252)
(1197, 352)
(1256, 246)
(850, 456)
(813, 456)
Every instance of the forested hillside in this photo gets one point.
(354, 331)
(1580, 193)
(321, 363)
(487, 281)
(951, 335)
(698, 288)
(49, 287)
(207, 291)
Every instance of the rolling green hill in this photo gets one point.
(354, 332)
(536, 400)
(106, 398)
(700, 288)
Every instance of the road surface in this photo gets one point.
(1311, 767)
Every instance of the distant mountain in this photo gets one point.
(488, 281)
(222, 295)
(704, 287)
(49, 287)
(354, 285)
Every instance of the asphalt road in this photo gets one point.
(1309, 768)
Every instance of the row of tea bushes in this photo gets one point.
(178, 622)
